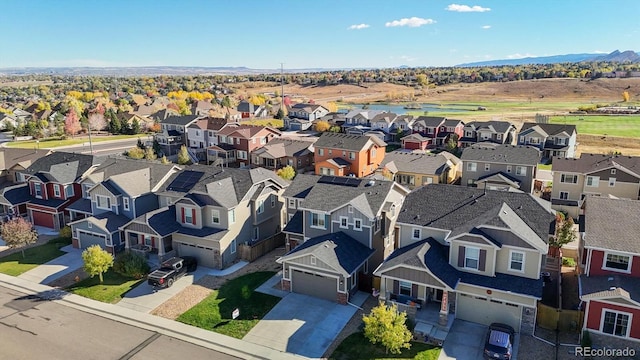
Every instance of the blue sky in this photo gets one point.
(308, 34)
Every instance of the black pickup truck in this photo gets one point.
(171, 270)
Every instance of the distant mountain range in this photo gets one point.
(147, 71)
(616, 56)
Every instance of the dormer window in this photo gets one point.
(613, 171)
(125, 203)
(69, 191)
(471, 258)
(37, 190)
(188, 216)
(56, 190)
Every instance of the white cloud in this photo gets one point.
(519, 56)
(358, 27)
(467, 8)
(405, 58)
(410, 22)
(486, 27)
(601, 52)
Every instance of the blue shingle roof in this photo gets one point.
(207, 232)
(19, 195)
(114, 222)
(81, 205)
(109, 185)
(295, 225)
(164, 223)
(52, 203)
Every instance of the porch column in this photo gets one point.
(127, 245)
(444, 309)
(160, 246)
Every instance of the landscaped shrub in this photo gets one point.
(131, 264)
(567, 261)
(65, 232)
(586, 339)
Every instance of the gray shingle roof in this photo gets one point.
(588, 163)
(135, 177)
(82, 205)
(295, 224)
(502, 154)
(551, 129)
(612, 224)
(109, 221)
(327, 197)
(301, 186)
(417, 162)
(345, 141)
(278, 148)
(430, 121)
(610, 286)
(63, 167)
(338, 250)
(449, 206)
(500, 127)
(10, 157)
(180, 120)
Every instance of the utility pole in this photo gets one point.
(90, 143)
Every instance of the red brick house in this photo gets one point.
(343, 154)
(237, 142)
(610, 282)
(437, 130)
(415, 142)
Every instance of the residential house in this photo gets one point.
(429, 127)
(163, 114)
(500, 167)
(403, 123)
(468, 253)
(174, 133)
(384, 123)
(8, 121)
(342, 154)
(338, 230)
(250, 111)
(14, 192)
(283, 152)
(204, 132)
(360, 117)
(415, 142)
(450, 130)
(415, 169)
(595, 174)
(202, 107)
(497, 132)
(236, 143)
(128, 119)
(115, 192)
(307, 111)
(295, 124)
(610, 281)
(207, 212)
(554, 140)
(54, 183)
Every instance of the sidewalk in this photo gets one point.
(201, 337)
(268, 286)
(56, 268)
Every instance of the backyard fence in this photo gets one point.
(551, 318)
(252, 251)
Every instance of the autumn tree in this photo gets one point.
(97, 122)
(625, 96)
(287, 172)
(387, 326)
(227, 103)
(183, 156)
(322, 126)
(564, 231)
(149, 154)
(331, 106)
(18, 233)
(135, 153)
(164, 160)
(96, 261)
(72, 124)
(422, 79)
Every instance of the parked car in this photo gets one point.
(171, 270)
(499, 342)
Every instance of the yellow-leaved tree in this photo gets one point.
(625, 96)
(387, 326)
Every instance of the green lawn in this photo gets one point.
(46, 144)
(115, 286)
(612, 125)
(214, 312)
(356, 346)
(274, 123)
(544, 166)
(15, 265)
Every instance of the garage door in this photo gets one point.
(314, 285)
(484, 311)
(88, 239)
(42, 219)
(203, 254)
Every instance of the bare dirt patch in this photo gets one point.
(606, 144)
(193, 294)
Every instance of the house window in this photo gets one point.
(417, 234)
(103, 202)
(273, 200)
(233, 246)
(357, 224)
(471, 258)
(56, 190)
(568, 179)
(344, 222)
(615, 323)
(350, 209)
(471, 166)
(292, 203)
(534, 140)
(499, 136)
(593, 181)
(352, 155)
(197, 132)
(516, 262)
(37, 190)
(89, 225)
(487, 167)
(373, 152)
(613, 171)
(68, 190)
(564, 195)
(426, 180)
(405, 288)
(215, 216)
(344, 153)
(521, 171)
(612, 182)
(522, 139)
(327, 171)
(263, 140)
(330, 152)
(560, 141)
(147, 240)
(313, 260)
(232, 216)
(260, 206)
(321, 152)
(256, 233)
(125, 203)
(188, 219)
(317, 221)
(617, 262)
(253, 141)
(508, 168)
(242, 155)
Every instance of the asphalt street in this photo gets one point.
(32, 328)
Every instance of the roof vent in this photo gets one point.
(371, 183)
(418, 217)
(613, 288)
(610, 278)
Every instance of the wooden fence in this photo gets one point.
(558, 319)
(250, 252)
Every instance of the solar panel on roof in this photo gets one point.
(185, 181)
(336, 180)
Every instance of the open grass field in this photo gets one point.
(605, 125)
(53, 143)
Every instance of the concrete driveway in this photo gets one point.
(303, 325)
(56, 268)
(465, 341)
(143, 298)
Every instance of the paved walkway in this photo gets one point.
(268, 287)
(201, 337)
(56, 268)
(303, 325)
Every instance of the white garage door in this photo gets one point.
(314, 285)
(203, 254)
(484, 311)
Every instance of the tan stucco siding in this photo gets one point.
(489, 261)
(532, 261)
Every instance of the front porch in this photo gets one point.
(431, 324)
